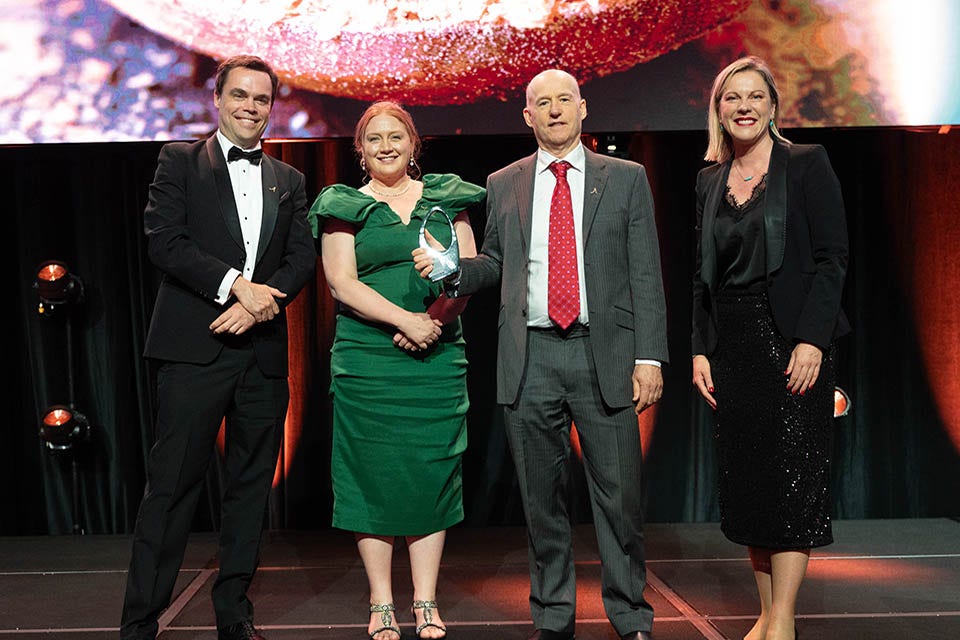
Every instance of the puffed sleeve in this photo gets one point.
(339, 202)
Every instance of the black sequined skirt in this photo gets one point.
(773, 447)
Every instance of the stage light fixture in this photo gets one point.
(61, 427)
(56, 285)
(841, 403)
(616, 145)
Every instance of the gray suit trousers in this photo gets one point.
(559, 386)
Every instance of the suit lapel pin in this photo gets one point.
(594, 192)
(273, 189)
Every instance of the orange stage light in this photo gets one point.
(646, 422)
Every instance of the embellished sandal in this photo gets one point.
(428, 606)
(386, 619)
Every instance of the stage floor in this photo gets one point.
(881, 580)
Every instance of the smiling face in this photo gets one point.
(387, 148)
(244, 106)
(746, 108)
(555, 111)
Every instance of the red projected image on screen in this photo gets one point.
(432, 53)
(109, 70)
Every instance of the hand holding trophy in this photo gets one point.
(446, 261)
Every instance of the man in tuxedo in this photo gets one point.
(226, 226)
(582, 337)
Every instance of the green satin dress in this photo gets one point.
(399, 417)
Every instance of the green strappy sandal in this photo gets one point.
(386, 619)
(428, 606)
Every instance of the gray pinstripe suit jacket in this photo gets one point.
(621, 262)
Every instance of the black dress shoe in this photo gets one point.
(637, 635)
(243, 630)
(547, 634)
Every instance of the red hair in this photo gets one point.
(389, 108)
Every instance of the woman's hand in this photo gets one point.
(417, 331)
(804, 367)
(422, 261)
(703, 380)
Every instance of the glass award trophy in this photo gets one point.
(445, 261)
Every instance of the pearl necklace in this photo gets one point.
(391, 195)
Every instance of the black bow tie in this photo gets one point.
(237, 153)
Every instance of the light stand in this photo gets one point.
(841, 402)
(63, 427)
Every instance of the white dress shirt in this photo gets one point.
(246, 180)
(544, 182)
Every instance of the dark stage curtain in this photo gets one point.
(895, 455)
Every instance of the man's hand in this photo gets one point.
(235, 320)
(257, 299)
(647, 385)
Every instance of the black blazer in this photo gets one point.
(805, 235)
(194, 238)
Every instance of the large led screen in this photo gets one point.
(105, 70)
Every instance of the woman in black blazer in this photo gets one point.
(771, 262)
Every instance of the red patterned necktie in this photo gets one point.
(563, 282)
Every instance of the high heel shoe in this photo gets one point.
(386, 619)
(428, 607)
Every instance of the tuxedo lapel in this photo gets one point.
(775, 206)
(708, 246)
(594, 180)
(221, 178)
(523, 188)
(271, 203)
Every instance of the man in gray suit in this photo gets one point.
(582, 337)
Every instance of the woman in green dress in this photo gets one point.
(398, 363)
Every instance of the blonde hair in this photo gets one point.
(719, 144)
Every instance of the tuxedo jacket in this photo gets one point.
(621, 261)
(194, 238)
(805, 244)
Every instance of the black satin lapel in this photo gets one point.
(775, 206)
(271, 204)
(594, 180)
(523, 187)
(221, 177)
(708, 245)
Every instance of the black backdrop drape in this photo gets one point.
(83, 204)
